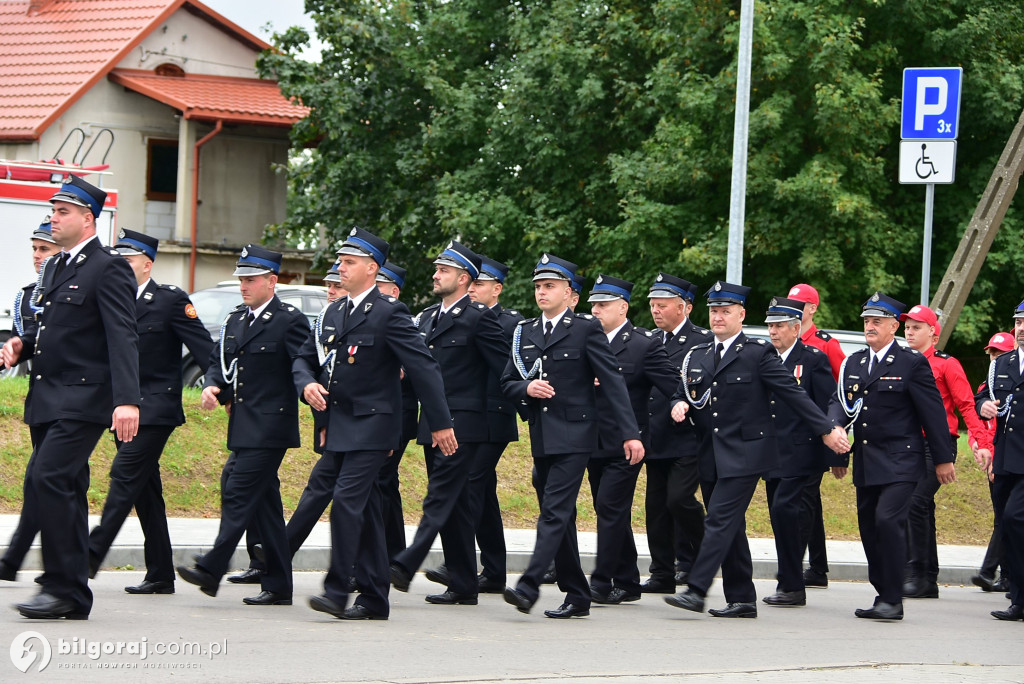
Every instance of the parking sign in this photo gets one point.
(931, 103)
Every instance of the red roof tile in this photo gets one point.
(49, 58)
(199, 96)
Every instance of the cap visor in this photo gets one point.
(882, 313)
(353, 250)
(549, 275)
(780, 319)
(70, 199)
(127, 250)
(251, 271)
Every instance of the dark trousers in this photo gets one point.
(790, 517)
(994, 555)
(612, 485)
(922, 550)
(391, 502)
(725, 540)
(882, 517)
(357, 531)
(59, 475)
(559, 478)
(1010, 508)
(313, 502)
(817, 557)
(28, 522)
(446, 512)
(251, 498)
(135, 482)
(675, 519)
(485, 511)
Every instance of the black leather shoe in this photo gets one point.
(687, 600)
(326, 605)
(453, 598)
(43, 606)
(486, 585)
(440, 575)
(615, 596)
(986, 582)
(1012, 613)
(567, 610)
(813, 578)
(7, 573)
(787, 598)
(550, 577)
(250, 576)
(658, 586)
(681, 577)
(881, 611)
(735, 610)
(1002, 584)
(148, 587)
(400, 579)
(268, 598)
(358, 612)
(920, 588)
(206, 582)
(518, 599)
(351, 586)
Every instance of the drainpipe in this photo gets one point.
(195, 202)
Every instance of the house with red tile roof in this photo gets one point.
(164, 92)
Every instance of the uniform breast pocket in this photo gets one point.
(627, 368)
(68, 298)
(738, 378)
(265, 348)
(890, 385)
(453, 341)
(359, 341)
(153, 327)
(83, 377)
(564, 355)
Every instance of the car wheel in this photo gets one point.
(193, 376)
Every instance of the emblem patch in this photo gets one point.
(190, 311)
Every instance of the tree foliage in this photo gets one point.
(602, 132)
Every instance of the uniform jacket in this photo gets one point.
(264, 408)
(801, 451)
(575, 354)
(501, 411)
(644, 364)
(668, 438)
(364, 411)
(28, 316)
(85, 355)
(166, 320)
(955, 391)
(737, 431)
(469, 346)
(900, 399)
(1008, 440)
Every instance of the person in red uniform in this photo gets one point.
(816, 575)
(981, 445)
(922, 569)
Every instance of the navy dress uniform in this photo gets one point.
(889, 398)
(563, 434)
(675, 518)
(729, 388)
(1005, 386)
(801, 455)
(363, 344)
(85, 363)
(469, 346)
(166, 320)
(251, 366)
(641, 359)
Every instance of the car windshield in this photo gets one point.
(214, 305)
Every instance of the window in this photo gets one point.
(162, 171)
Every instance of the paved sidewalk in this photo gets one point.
(194, 535)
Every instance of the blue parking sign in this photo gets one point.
(931, 103)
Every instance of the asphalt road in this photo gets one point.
(951, 639)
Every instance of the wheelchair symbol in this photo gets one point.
(924, 167)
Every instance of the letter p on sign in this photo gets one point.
(931, 103)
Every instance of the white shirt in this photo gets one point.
(785, 355)
(356, 300)
(674, 333)
(613, 333)
(726, 343)
(544, 320)
(258, 310)
(879, 356)
(142, 287)
(73, 252)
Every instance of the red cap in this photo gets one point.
(921, 313)
(938, 329)
(804, 293)
(1001, 341)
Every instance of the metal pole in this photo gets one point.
(738, 196)
(926, 256)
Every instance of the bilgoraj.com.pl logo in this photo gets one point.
(27, 648)
(33, 650)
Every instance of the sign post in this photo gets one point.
(929, 129)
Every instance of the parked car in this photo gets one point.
(214, 304)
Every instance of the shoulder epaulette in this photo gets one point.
(821, 334)
(479, 305)
(161, 286)
(289, 308)
(701, 331)
(941, 354)
(525, 321)
(702, 345)
(390, 299)
(911, 349)
(813, 350)
(586, 316)
(509, 312)
(240, 307)
(758, 340)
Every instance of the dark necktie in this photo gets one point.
(719, 351)
(351, 307)
(251, 319)
(548, 326)
(668, 337)
(60, 262)
(871, 362)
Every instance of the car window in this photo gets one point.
(214, 305)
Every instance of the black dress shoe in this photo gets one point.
(881, 611)
(7, 573)
(550, 577)
(268, 598)
(250, 576)
(1012, 613)
(917, 587)
(813, 578)
(486, 585)
(358, 612)
(658, 586)
(326, 605)
(735, 610)
(400, 579)
(206, 582)
(43, 606)
(787, 598)
(518, 599)
(453, 598)
(986, 582)
(148, 587)
(1002, 584)
(567, 610)
(687, 600)
(440, 575)
(681, 577)
(615, 596)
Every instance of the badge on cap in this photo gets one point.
(875, 297)
(120, 234)
(774, 302)
(718, 286)
(450, 243)
(659, 278)
(353, 231)
(600, 279)
(245, 252)
(190, 311)
(544, 259)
